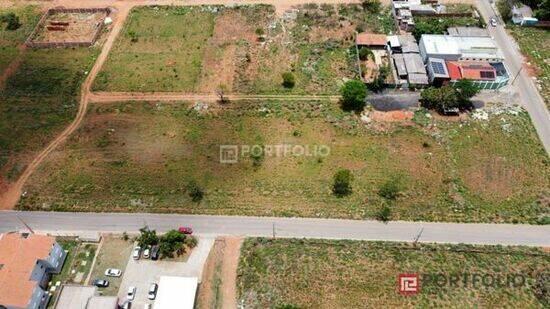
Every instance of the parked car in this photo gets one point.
(127, 305)
(152, 291)
(493, 22)
(131, 293)
(100, 283)
(147, 306)
(185, 230)
(155, 252)
(147, 252)
(113, 272)
(136, 253)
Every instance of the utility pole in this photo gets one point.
(273, 229)
(25, 224)
(517, 74)
(418, 236)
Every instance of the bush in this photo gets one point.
(195, 191)
(504, 9)
(372, 6)
(171, 242)
(133, 36)
(191, 241)
(364, 53)
(288, 80)
(390, 189)
(11, 20)
(147, 237)
(260, 31)
(342, 183)
(384, 214)
(354, 94)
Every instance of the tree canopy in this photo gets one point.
(354, 94)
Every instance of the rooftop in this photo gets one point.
(18, 256)
(461, 45)
(176, 292)
(371, 39)
(474, 70)
(75, 296)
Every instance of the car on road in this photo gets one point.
(152, 291)
(147, 306)
(185, 230)
(493, 22)
(113, 272)
(136, 253)
(100, 283)
(127, 305)
(147, 252)
(155, 252)
(131, 293)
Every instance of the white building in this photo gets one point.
(176, 292)
(454, 48)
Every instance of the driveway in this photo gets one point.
(143, 272)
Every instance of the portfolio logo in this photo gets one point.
(409, 284)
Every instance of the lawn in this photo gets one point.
(534, 44)
(355, 274)
(143, 156)
(38, 101)
(245, 49)
(11, 39)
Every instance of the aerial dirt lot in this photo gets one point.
(246, 49)
(142, 156)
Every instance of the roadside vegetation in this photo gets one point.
(534, 44)
(248, 49)
(286, 273)
(155, 157)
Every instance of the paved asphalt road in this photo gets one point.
(505, 234)
(529, 94)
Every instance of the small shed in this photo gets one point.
(371, 40)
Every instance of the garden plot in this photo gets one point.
(143, 157)
(244, 49)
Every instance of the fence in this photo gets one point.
(41, 24)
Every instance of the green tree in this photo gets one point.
(465, 89)
(147, 237)
(342, 183)
(196, 193)
(11, 20)
(504, 9)
(384, 214)
(354, 94)
(288, 80)
(440, 99)
(171, 242)
(365, 53)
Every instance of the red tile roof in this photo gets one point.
(18, 256)
(475, 70)
(371, 39)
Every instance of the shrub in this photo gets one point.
(342, 183)
(354, 94)
(147, 237)
(365, 53)
(384, 214)
(11, 20)
(288, 80)
(260, 31)
(504, 9)
(171, 242)
(133, 36)
(390, 189)
(372, 6)
(191, 241)
(195, 191)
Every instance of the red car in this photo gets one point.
(185, 230)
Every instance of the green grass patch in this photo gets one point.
(142, 156)
(534, 44)
(356, 274)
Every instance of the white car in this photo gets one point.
(152, 291)
(113, 272)
(136, 253)
(146, 252)
(131, 293)
(493, 22)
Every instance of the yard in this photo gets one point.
(352, 274)
(143, 156)
(245, 49)
(39, 99)
(534, 44)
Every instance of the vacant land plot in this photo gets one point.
(114, 253)
(11, 39)
(245, 49)
(534, 44)
(143, 156)
(38, 101)
(352, 274)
